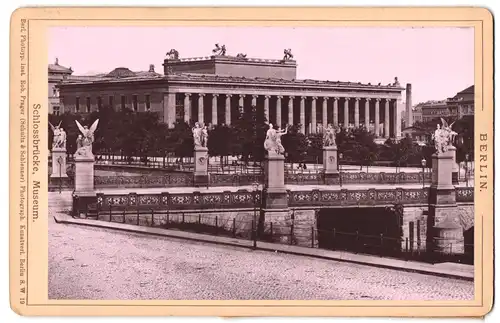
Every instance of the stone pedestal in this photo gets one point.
(330, 164)
(200, 166)
(59, 163)
(445, 233)
(275, 196)
(84, 195)
(455, 167)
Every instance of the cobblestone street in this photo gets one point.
(91, 263)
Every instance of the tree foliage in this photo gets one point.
(296, 144)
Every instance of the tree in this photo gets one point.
(180, 140)
(295, 144)
(365, 150)
(249, 134)
(220, 142)
(401, 151)
(315, 149)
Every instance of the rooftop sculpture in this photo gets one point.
(173, 54)
(288, 54)
(219, 50)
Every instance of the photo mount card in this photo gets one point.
(251, 161)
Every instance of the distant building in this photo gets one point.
(460, 105)
(57, 75)
(212, 89)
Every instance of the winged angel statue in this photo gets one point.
(443, 136)
(84, 142)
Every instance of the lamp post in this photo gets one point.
(424, 163)
(60, 161)
(466, 170)
(255, 188)
(340, 169)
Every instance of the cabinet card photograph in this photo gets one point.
(251, 161)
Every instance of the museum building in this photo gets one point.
(211, 90)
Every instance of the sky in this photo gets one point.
(437, 61)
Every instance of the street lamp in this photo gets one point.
(60, 162)
(340, 169)
(255, 188)
(466, 170)
(424, 163)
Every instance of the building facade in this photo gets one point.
(462, 104)
(57, 74)
(211, 90)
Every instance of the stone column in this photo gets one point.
(367, 114)
(200, 166)
(455, 167)
(187, 107)
(214, 109)
(346, 113)
(274, 181)
(290, 110)
(409, 111)
(387, 119)
(303, 114)
(446, 234)
(377, 118)
(169, 109)
(335, 112)
(356, 112)
(201, 116)
(84, 195)
(397, 119)
(266, 107)
(254, 100)
(313, 114)
(278, 110)
(228, 109)
(324, 112)
(241, 102)
(330, 165)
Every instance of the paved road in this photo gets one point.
(91, 263)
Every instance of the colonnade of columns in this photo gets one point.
(379, 115)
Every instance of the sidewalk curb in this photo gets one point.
(263, 246)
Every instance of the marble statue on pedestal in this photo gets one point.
(443, 137)
(200, 135)
(329, 137)
(85, 149)
(273, 140)
(59, 140)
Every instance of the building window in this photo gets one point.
(99, 103)
(88, 104)
(56, 110)
(148, 102)
(54, 92)
(77, 105)
(123, 102)
(110, 102)
(135, 103)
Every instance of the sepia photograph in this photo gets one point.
(261, 163)
(242, 162)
